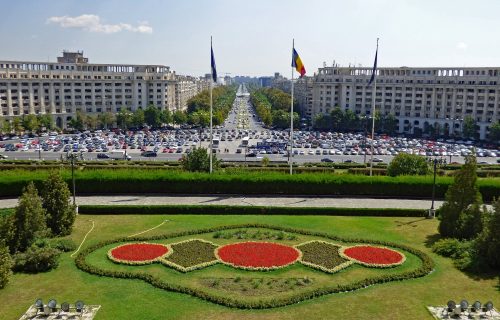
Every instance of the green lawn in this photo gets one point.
(134, 299)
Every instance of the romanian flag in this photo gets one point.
(297, 63)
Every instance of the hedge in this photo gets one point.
(229, 301)
(247, 210)
(125, 181)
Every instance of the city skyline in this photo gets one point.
(254, 38)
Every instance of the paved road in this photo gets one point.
(293, 201)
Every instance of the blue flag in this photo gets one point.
(214, 69)
(374, 67)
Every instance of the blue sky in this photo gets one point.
(254, 37)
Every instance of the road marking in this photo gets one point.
(148, 229)
(84, 238)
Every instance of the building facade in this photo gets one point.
(73, 84)
(418, 97)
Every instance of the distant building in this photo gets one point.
(418, 97)
(73, 84)
(265, 82)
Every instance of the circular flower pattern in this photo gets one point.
(138, 252)
(373, 256)
(257, 255)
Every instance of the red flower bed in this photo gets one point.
(371, 255)
(138, 252)
(257, 255)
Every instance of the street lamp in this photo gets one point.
(432, 212)
(72, 157)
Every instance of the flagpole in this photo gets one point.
(290, 156)
(211, 88)
(374, 97)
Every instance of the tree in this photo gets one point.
(5, 126)
(199, 160)
(106, 119)
(30, 122)
(16, 125)
(91, 122)
(469, 127)
(60, 213)
(45, 121)
(29, 219)
(390, 124)
(152, 116)
(407, 164)
(138, 118)
(166, 116)
(179, 117)
(337, 116)
(78, 122)
(461, 212)
(5, 265)
(124, 119)
(494, 135)
(322, 122)
(489, 240)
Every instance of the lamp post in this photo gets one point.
(72, 157)
(432, 212)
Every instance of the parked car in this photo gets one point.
(149, 154)
(102, 156)
(326, 160)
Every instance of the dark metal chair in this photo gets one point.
(52, 305)
(79, 306)
(38, 306)
(476, 306)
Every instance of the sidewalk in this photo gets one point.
(278, 201)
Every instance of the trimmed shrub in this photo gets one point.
(36, 259)
(408, 164)
(461, 213)
(28, 220)
(63, 245)
(104, 181)
(447, 247)
(60, 214)
(5, 265)
(247, 210)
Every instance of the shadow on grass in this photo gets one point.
(431, 239)
(412, 223)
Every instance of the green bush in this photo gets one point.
(408, 164)
(366, 171)
(60, 213)
(63, 245)
(5, 265)
(104, 181)
(198, 160)
(447, 247)
(36, 259)
(246, 210)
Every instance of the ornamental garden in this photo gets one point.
(274, 267)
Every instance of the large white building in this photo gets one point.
(418, 97)
(73, 84)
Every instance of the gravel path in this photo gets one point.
(292, 201)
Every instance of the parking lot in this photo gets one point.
(241, 138)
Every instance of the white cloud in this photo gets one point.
(92, 23)
(462, 45)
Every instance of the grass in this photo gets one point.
(134, 299)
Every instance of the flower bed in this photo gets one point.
(257, 255)
(138, 253)
(322, 255)
(190, 255)
(82, 263)
(372, 256)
